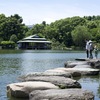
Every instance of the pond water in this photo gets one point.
(14, 63)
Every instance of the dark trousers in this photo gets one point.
(87, 52)
(91, 55)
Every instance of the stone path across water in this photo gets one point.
(56, 84)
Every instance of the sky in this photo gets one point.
(37, 11)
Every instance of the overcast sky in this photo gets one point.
(36, 11)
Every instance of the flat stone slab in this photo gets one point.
(81, 59)
(62, 82)
(22, 90)
(62, 94)
(71, 64)
(94, 63)
(83, 66)
(37, 74)
(81, 70)
(86, 59)
(73, 73)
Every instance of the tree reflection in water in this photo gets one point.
(98, 91)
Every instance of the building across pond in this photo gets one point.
(34, 42)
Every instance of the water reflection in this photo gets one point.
(39, 62)
(91, 83)
(98, 90)
(6, 64)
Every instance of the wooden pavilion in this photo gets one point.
(34, 42)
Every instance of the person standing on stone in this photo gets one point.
(91, 48)
(96, 51)
(87, 48)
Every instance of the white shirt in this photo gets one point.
(87, 45)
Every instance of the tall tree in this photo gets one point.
(80, 34)
(11, 25)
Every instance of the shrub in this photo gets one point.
(8, 44)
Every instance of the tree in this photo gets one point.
(97, 38)
(13, 38)
(75, 21)
(69, 39)
(80, 34)
(11, 25)
(91, 25)
(69, 31)
(44, 23)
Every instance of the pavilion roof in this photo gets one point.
(34, 38)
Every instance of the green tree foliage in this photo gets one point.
(80, 34)
(12, 25)
(8, 44)
(91, 18)
(37, 29)
(75, 21)
(91, 25)
(13, 38)
(68, 32)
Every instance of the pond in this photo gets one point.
(14, 63)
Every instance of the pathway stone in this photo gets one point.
(81, 70)
(22, 90)
(62, 82)
(62, 94)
